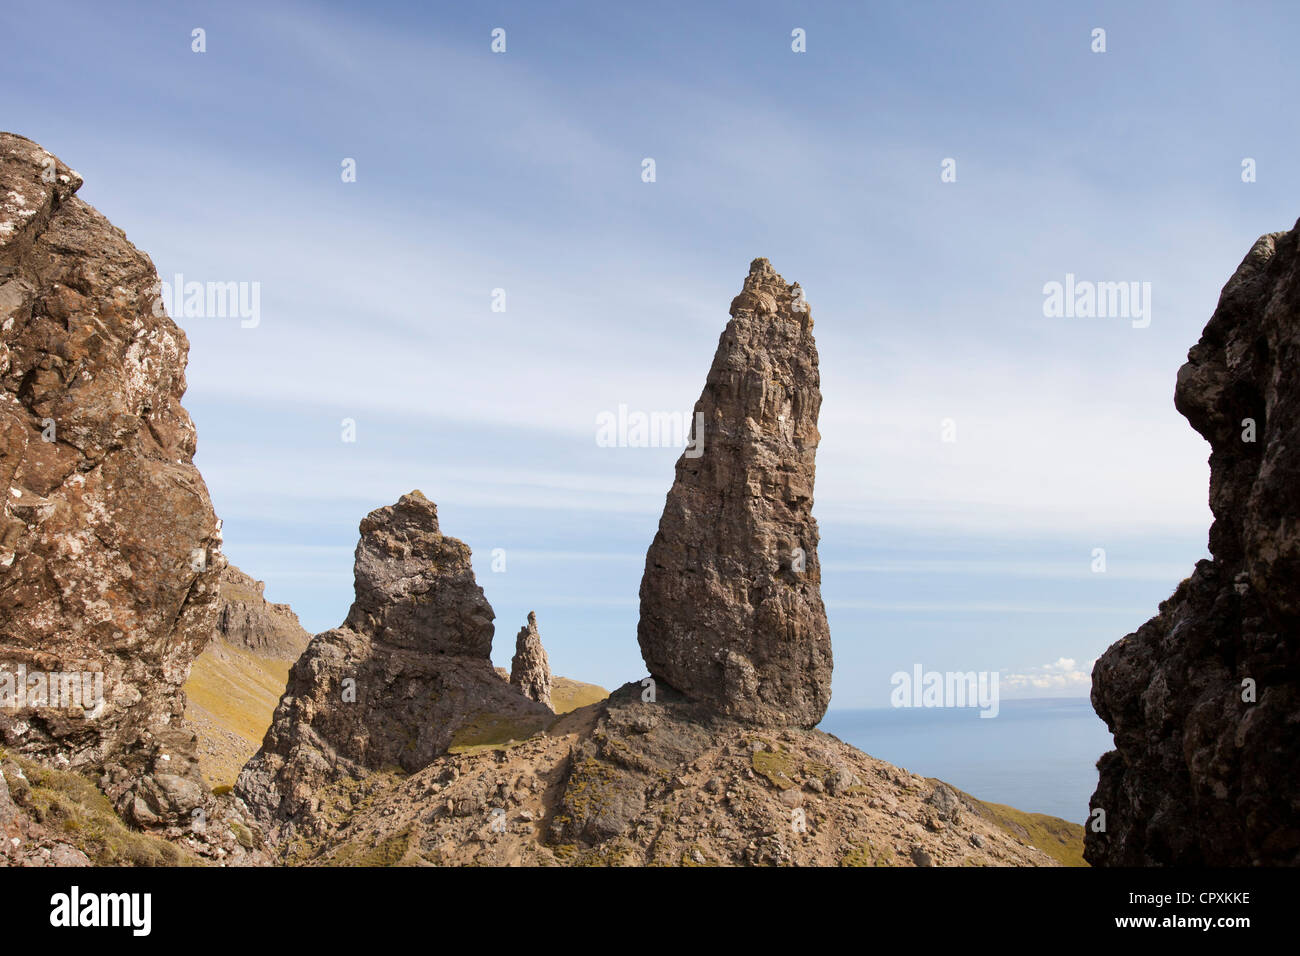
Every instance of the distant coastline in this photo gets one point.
(1039, 755)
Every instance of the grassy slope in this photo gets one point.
(237, 691)
(567, 695)
(231, 695)
(240, 687)
(75, 811)
(1059, 839)
(488, 732)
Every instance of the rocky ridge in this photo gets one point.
(708, 762)
(246, 619)
(629, 782)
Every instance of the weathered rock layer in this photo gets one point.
(1204, 699)
(731, 608)
(109, 548)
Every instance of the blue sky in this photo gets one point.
(522, 171)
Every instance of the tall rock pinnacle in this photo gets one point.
(391, 687)
(1204, 698)
(731, 608)
(530, 671)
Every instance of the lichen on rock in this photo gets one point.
(109, 547)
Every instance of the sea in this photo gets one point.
(1036, 755)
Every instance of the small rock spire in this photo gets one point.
(530, 671)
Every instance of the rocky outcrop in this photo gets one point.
(54, 817)
(406, 675)
(109, 548)
(710, 764)
(1204, 699)
(530, 672)
(246, 619)
(731, 608)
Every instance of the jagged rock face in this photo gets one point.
(1200, 775)
(530, 671)
(390, 689)
(109, 548)
(246, 619)
(731, 608)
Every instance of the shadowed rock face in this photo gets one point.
(530, 671)
(731, 608)
(109, 548)
(1200, 775)
(390, 689)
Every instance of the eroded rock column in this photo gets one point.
(731, 608)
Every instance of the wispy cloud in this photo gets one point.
(521, 172)
(1061, 675)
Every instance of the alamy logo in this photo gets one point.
(1085, 299)
(74, 908)
(21, 689)
(209, 300)
(946, 689)
(626, 429)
